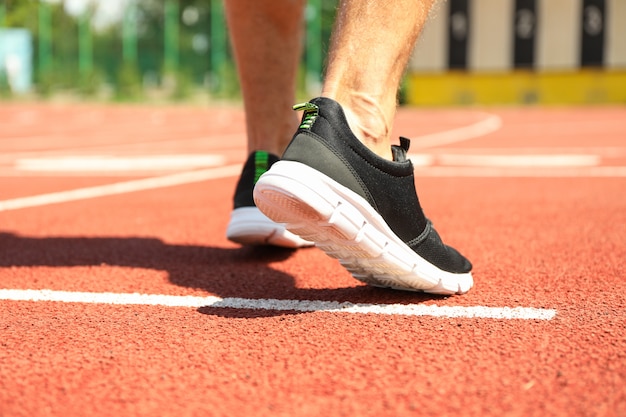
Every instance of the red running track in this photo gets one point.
(534, 196)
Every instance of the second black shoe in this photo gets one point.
(247, 225)
(360, 208)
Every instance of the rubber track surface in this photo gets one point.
(543, 237)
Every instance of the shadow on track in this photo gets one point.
(226, 272)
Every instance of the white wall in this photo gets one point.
(558, 34)
(491, 35)
(616, 34)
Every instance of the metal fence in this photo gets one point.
(173, 46)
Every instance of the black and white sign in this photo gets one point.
(458, 33)
(525, 33)
(593, 29)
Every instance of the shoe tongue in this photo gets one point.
(399, 152)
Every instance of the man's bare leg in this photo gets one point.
(370, 48)
(267, 40)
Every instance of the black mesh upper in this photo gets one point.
(330, 147)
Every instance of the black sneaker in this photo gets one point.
(248, 226)
(358, 207)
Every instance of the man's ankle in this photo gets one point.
(367, 121)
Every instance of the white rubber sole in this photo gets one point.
(344, 225)
(248, 226)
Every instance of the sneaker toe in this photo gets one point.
(431, 247)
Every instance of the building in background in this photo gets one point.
(521, 51)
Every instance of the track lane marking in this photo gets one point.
(505, 160)
(121, 187)
(536, 160)
(156, 145)
(522, 172)
(503, 313)
(107, 163)
(483, 127)
(424, 170)
(489, 124)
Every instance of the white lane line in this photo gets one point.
(505, 160)
(110, 164)
(129, 147)
(106, 163)
(602, 151)
(561, 160)
(523, 172)
(481, 128)
(423, 170)
(506, 313)
(120, 187)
